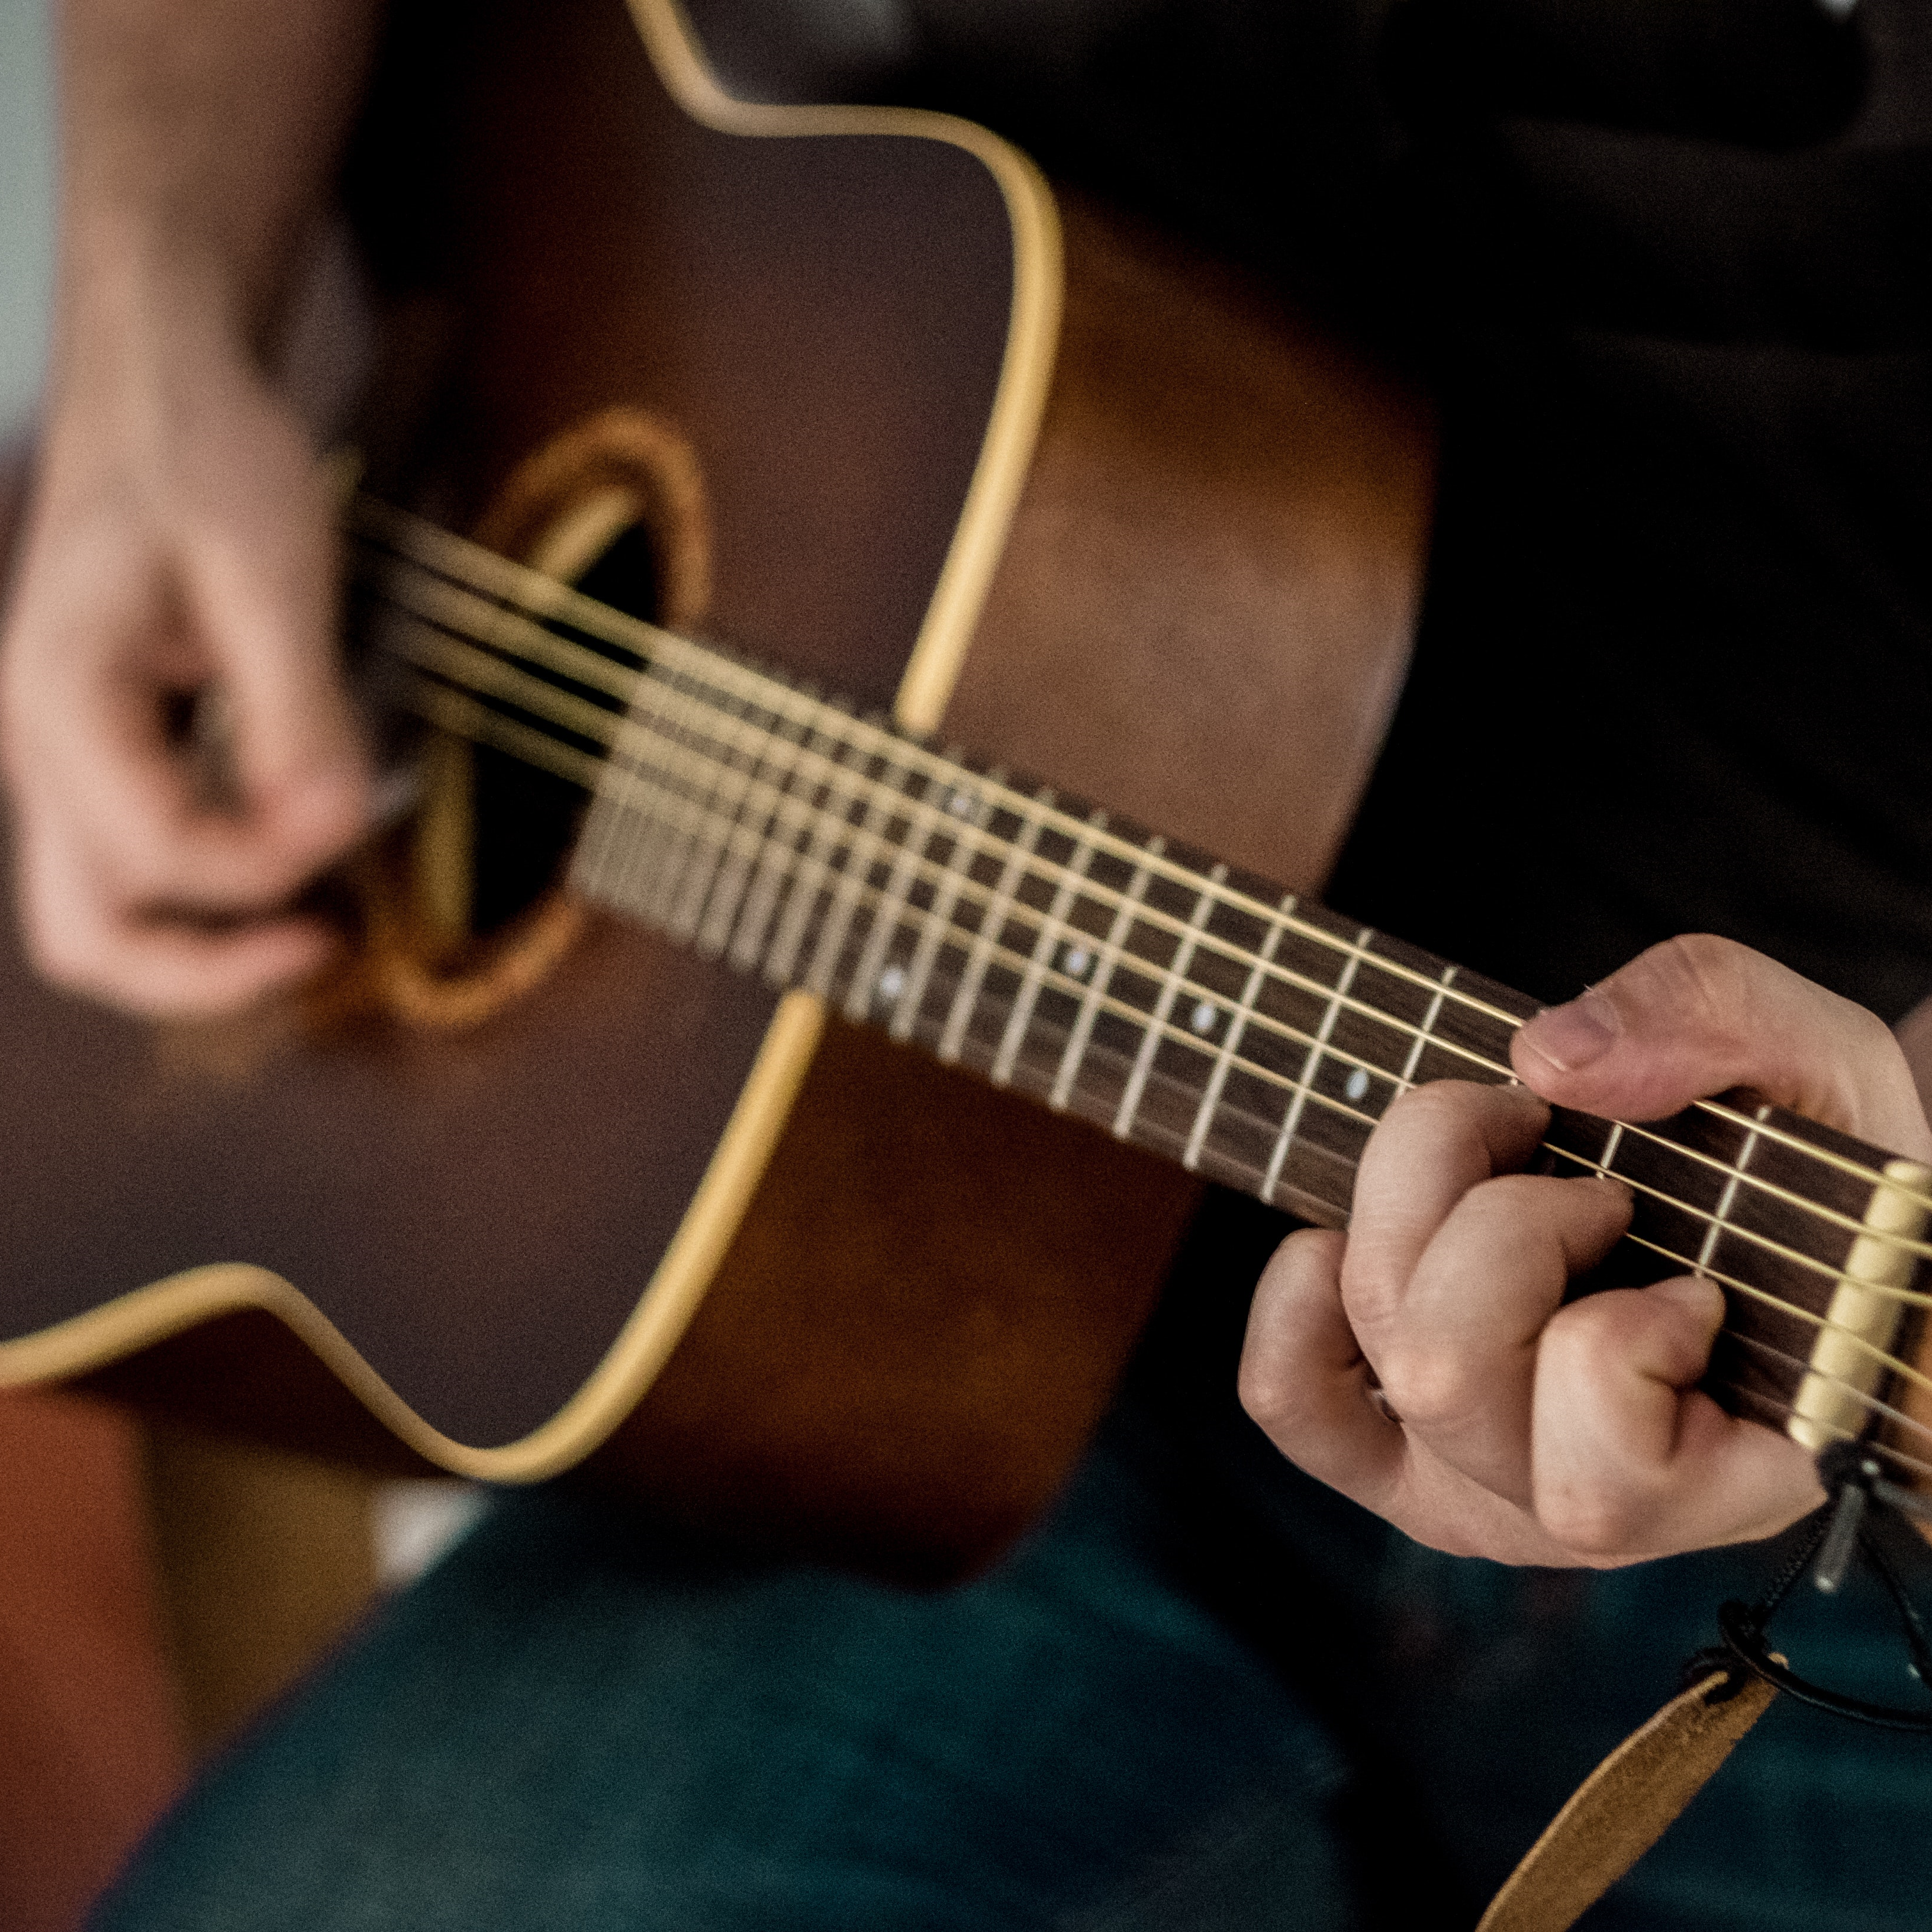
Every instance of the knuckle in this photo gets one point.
(1514, 1200)
(1590, 1519)
(1272, 1394)
(1874, 1041)
(1430, 1388)
(1266, 1392)
(56, 957)
(1697, 975)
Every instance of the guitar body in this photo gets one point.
(880, 411)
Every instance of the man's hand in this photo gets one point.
(1425, 1364)
(182, 755)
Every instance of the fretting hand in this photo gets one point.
(1425, 1364)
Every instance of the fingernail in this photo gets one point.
(1571, 1036)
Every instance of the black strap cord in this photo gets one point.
(1865, 1511)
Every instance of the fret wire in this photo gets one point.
(736, 875)
(1312, 1063)
(992, 922)
(755, 927)
(1728, 1199)
(596, 846)
(825, 831)
(1715, 1226)
(1864, 1396)
(685, 872)
(730, 791)
(1231, 1037)
(857, 784)
(922, 819)
(1448, 977)
(658, 885)
(937, 923)
(472, 719)
(1286, 976)
(1405, 1080)
(1818, 1210)
(1844, 1162)
(1170, 989)
(1052, 929)
(653, 864)
(790, 813)
(654, 640)
(865, 845)
(1232, 1111)
(1094, 990)
(1302, 1090)
(1603, 1165)
(632, 860)
(476, 714)
(813, 869)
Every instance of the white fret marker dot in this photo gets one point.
(960, 804)
(891, 982)
(1204, 1016)
(1357, 1088)
(1077, 960)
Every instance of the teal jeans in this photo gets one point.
(1206, 1693)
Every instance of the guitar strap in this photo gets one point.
(1624, 1807)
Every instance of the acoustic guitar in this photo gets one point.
(739, 1090)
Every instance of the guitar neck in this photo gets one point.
(1033, 938)
(1196, 1011)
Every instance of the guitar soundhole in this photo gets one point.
(615, 505)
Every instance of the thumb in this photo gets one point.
(1698, 1015)
(265, 587)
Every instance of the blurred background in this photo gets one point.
(26, 203)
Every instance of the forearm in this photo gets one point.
(197, 138)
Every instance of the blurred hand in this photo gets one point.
(182, 754)
(1531, 1432)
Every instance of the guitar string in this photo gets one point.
(1823, 1323)
(826, 873)
(396, 529)
(1796, 1366)
(766, 692)
(513, 686)
(1786, 1410)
